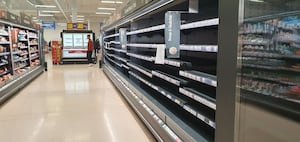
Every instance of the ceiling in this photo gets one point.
(83, 10)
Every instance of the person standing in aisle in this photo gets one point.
(90, 50)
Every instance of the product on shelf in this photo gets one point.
(271, 58)
(22, 37)
(3, 39)
(3, 32)
(35, 62)
(3, 49)
(32, 34)
(34, 41)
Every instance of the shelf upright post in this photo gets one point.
(226, 93)
(28, 47)
(10, 49)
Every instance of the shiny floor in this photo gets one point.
(70, 103)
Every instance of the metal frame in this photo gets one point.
(227, 99)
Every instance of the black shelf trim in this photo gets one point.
(142, 57)
(200, 77)
(199, 97)
(166, 77)
(120, 65)
(140, 69)
(200, 116)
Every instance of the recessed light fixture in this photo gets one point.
(46, 15)
(106, 8)
(45, 6)
(106, 1)
(256, 0)
(80, 19)
(78, 16)
(50, 11)
(30, 2)
(103, 13)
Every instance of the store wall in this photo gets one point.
(55, 34)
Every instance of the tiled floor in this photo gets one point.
(70, 103)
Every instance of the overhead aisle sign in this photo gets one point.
(77, 26)
(50, 25)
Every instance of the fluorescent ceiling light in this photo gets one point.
(30, 2)
(78, 16)
(34, 17)
(80, 19)
(105, 1)
(256, 0)
(45, 6)
(46, 15)
(103, 13)
(50, 11)
(104, 8)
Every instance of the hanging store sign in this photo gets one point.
(172, 34)
(48, 25)
(77, 26)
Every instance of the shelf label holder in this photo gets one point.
(123, 38)
(172, 29)
(172, 34)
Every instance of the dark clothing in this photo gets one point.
(89, 56)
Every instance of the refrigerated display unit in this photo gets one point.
(75, 45)
(209, 70)
(21, 57)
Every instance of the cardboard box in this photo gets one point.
(3, 14)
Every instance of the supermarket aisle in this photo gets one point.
(70, 103)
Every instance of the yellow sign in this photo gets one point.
(77, 26)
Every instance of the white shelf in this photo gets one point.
(146, 58)
(146, 45)
(2, 64)
(117, 57)
(199, 24)
(20, 67)
(113, 35)
(200, 77)
(166, 78)
(199, 98)
(32, 58)
(32, 44)
(23, 47)
(140, 69)
(3, 73)
(154, 28)
(34, 51)
(4, 53)
(202, 48)
(4, 42)
(172, 63)
(200, 116)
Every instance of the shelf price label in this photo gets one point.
(123, 38)
(172, 34)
